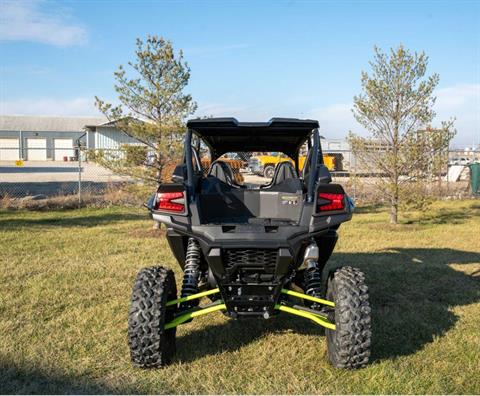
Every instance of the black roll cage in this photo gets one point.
(313, 143)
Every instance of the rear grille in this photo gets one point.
(250, 286)
(263, 260)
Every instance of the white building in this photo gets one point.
(41, 138)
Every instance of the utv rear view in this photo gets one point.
(255, 249)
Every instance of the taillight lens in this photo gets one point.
(171, 201)
(335, 201)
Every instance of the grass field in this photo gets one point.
(65, 287)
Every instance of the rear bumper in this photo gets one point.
(251, 275)
(252, 236)
(251, 263)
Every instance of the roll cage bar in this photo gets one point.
(313, 160)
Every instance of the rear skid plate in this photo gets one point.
(319, 318)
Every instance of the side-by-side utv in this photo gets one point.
(256, 249)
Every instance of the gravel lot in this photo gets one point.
(53, 178)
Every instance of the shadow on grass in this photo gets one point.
(234, 334)
(412, 293)
(65, 219)
(445, 216)
(30, 380)
(377, 208)
(429, 217)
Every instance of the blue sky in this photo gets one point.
(249, 59)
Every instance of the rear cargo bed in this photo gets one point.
(242, 206)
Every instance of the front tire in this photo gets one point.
(349, 345)
(150, 344)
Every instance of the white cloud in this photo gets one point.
(54, 107)
(242, 113)
(457, 95)
(335, 120)
(462, 102)
(29, 20)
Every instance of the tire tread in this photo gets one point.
(150, 344)
(349, 345)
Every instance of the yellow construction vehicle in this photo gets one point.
(265, 164)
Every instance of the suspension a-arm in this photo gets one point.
(317, 317)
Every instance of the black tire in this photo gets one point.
(349, 345)
(150, 344)
(269, 171)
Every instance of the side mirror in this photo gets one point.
(179, 175)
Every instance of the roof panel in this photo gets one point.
(278, 134)
(46, 123)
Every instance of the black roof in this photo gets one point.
(227, 134)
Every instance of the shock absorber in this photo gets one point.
(191, 273)
(313, 274)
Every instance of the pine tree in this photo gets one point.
(153, 109)
(396, 103)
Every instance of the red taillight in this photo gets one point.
(171, 201)
(335, 201)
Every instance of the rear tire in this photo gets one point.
(150, 344)
(269, 171)
(349, 345)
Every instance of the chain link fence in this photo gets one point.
(72, 171)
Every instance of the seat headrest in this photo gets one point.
(222, 171)
(283, 171)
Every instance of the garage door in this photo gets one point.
(36, 149)
(63, 148)
(9, 149)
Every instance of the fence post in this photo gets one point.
(353, 169)
(79, 177)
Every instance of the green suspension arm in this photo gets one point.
(307, 297)
(315, 318)
(193, 297)
(190, 315)
(220, 306)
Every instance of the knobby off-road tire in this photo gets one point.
(150, 344)
(349, 345)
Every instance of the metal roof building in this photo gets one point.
(42, 138)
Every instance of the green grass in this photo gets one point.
(65, 287)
